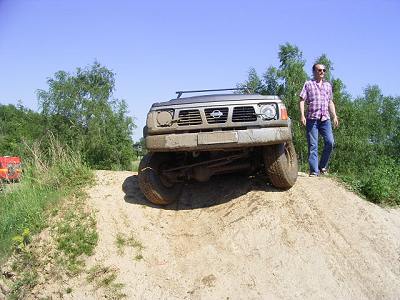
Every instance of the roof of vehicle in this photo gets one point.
(214, 98)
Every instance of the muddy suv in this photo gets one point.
(194, 138)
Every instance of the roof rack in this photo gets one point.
(200, 91)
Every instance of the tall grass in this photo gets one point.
(51, 171)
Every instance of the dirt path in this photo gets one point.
(235, 238)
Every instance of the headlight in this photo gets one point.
(164, 118)
(268, 111)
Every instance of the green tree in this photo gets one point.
(140, 147)
(18, 125)
(287, 82)
(291, 71)
(365, 153)
(271, 79)
(80, 110)
(253, 84)
(292, 74)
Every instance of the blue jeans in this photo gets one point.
(324, 128)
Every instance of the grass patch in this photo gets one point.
(138, 257)
(23, 208)
(75, 236)
(50, 174)
(49, 200)
(57, 252)
(25, 266)
(120, 242)
(105, 278)
(123, 241)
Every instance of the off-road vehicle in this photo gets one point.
(194, 138)
(10, 168)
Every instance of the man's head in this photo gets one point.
(319, 71)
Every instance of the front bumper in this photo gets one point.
(218, 140)
(5, 175)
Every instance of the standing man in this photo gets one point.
(317, 94)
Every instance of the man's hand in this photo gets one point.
(333, 114)
(335, 121)
(301, 106)
(303, 121)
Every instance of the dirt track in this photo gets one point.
(235, 238)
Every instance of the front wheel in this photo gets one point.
(156, 187)
(281, 164)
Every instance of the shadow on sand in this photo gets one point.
(219, 190)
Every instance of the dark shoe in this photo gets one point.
(313, 174)
(324, 171)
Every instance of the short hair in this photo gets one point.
(314, 65)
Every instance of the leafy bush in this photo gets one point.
(381, 183)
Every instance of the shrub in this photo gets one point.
(381, 183)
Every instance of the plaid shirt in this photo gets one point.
(317, 99)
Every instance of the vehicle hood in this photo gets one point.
(214, 98)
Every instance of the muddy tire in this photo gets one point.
(281, 164)
(157, 189)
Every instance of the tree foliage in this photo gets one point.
(18, 125)
(253, 85)
(80, 110)
(271, 79)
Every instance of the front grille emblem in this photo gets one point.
(216, 114)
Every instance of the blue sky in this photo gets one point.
(158, 47)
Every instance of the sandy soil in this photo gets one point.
(238, 238)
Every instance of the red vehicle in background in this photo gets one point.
(10, 168)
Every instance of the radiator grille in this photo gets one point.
(189, 117)
(244, 114)
(216, 115)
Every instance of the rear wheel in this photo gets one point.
(156, 187)
(281, 164)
